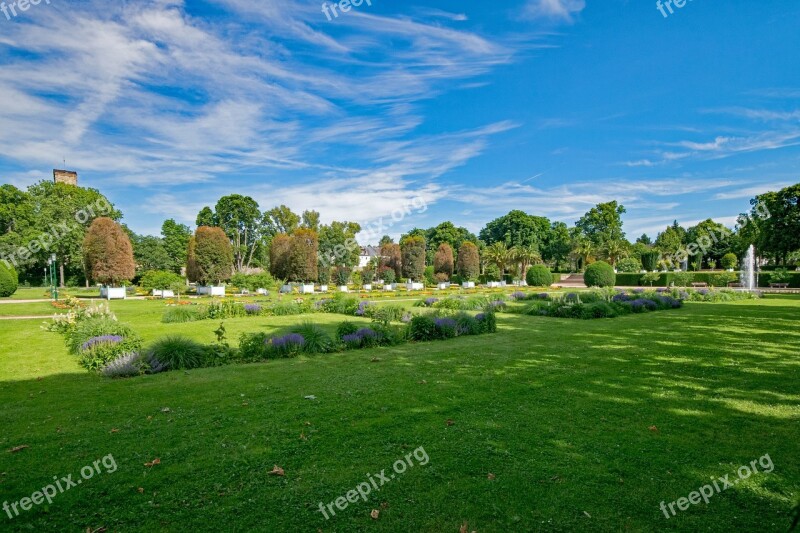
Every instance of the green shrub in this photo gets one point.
(780, 275)
(340, 304)
(224, 309)
(649, 279)
(287, 309)
(650, 261)
(160, 280)
(539, 276)
(422, 328)
(177, 352)
(629, 265)
(385, 313)
(180, 315)
(317, 339)
(345, 328)
(253, 347)
(487, 320)
(682, 279)
(98, 341)
(600, 274)
(729, 261)
(253, 282)
(9, 281)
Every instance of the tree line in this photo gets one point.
(235, 236)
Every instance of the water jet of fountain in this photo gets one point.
(748, 277)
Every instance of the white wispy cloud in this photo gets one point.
(560, 10)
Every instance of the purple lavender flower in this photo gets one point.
(367, 333)
(430, 301)
(661, 290)
(353, 338)
(287, 342)
(638, 291)
(704, 292)
(519, 295)
(480, 316)
(362, 308)
(445, 323)
(252, 309)
(101, 341)
(322, 303)
(544, 296)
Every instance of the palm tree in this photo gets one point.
(499, 255)
(583, 249)
(615, 250)
(525, 256)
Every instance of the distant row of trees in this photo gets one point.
(236, 236)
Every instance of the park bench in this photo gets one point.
(735, 285)
(778, 285)
(699, 285)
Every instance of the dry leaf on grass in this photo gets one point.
(16, 449)
(654, 429)
(115, 430)
(374, 514)
(449, 422)
(153, 463)
(140, 490)
(276, 471)
(491, 476)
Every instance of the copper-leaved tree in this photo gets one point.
(469, 262)
(210, 258)
(107, 253)
(443, 261)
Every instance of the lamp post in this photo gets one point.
(53, 282)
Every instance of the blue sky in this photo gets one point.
(549, 106)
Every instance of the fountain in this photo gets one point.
(748, 278)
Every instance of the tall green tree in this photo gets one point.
(603, 223)
(239, 217)
(558, 245)
(338, 245)
(149, 253)
(206, 217)
(517, 228)
(311, 221)
(176, 241)
(279, 220)
(65, 212)
(773, 223)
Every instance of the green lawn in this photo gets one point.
(584, 426)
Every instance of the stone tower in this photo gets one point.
(65, 176)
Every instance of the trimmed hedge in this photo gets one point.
(635, 280)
